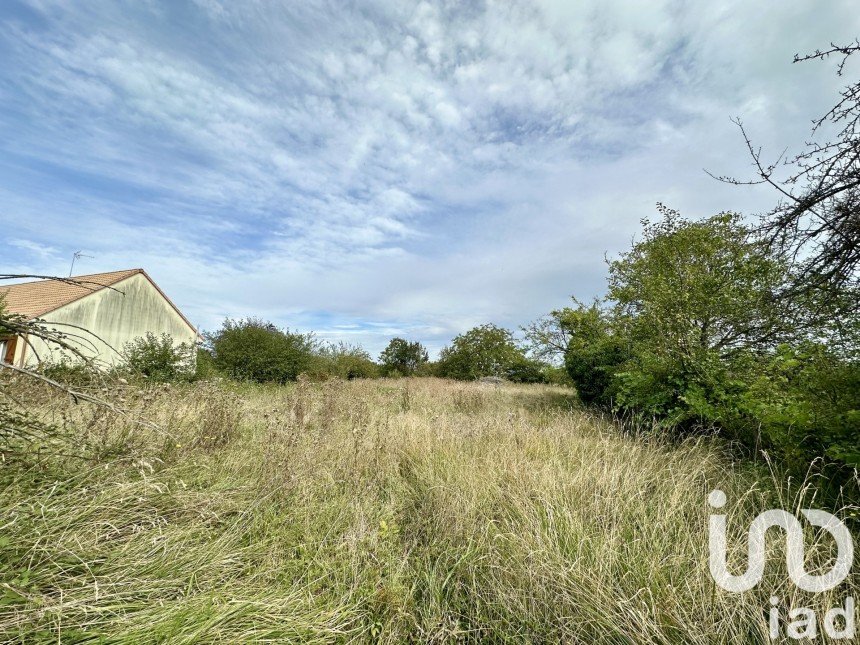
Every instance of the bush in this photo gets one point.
(351, 366)
(804, 401)
(343, 361)
(487, 350)
(430, 368)
(557, 375)
(72, 373)
(254, 350)
(403, 357)
(526, 370)
(159, 358)
(205, 366)
(594, 354)
(695, 336)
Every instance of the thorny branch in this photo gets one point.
(816, 222)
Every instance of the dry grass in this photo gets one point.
(390, 511)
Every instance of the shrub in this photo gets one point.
(351, 366)
(594, 354)
(403, 357)
(205, 367)
(70, 372)
(526, 370)
(255, 350)
(487, 350)
(159, 358)
(696, 336)
(430, 368)
(687, 300)
(344, 361)
(557, 375)
(804, 401)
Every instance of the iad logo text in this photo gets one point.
(804, 622)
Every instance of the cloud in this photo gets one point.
(41, 251)
(396, 168)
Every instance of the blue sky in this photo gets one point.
(385, 168)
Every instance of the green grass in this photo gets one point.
(375, 511)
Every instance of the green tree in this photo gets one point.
(688, 298)
(256, 350)
(527, 370)
(697, 335)
(594, 353)
(487, 350)
(707, 285)
(403, 357)
(548, 337)
(159, 358)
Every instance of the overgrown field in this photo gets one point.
(392, 510)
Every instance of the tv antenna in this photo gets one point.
(77, 255)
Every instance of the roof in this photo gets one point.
(37, 298)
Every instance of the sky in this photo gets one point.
(378, 169)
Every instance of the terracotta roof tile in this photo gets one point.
(34, 299)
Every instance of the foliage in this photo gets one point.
(698, 286)
(430, 368)
(805, 401)
(69, 372)
(486, 350)
(548, 337)
(557, 375)
(403, 357)
(255, 350)
(344, 361)
(205, 364)
(594, 353)
(686, 299)
(526, 370)
(696, 335)
(159, 358)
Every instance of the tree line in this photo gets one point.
(694, 335)
(747, 328)
(252, 349)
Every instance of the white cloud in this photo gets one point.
(400, 167)
(40, 251)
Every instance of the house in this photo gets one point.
(114, 308)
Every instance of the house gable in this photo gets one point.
(113, 315)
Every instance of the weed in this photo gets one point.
(373, 511)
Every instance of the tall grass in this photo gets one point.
(387, 511)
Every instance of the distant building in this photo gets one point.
(114, 308)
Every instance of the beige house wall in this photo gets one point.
(115, 315)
